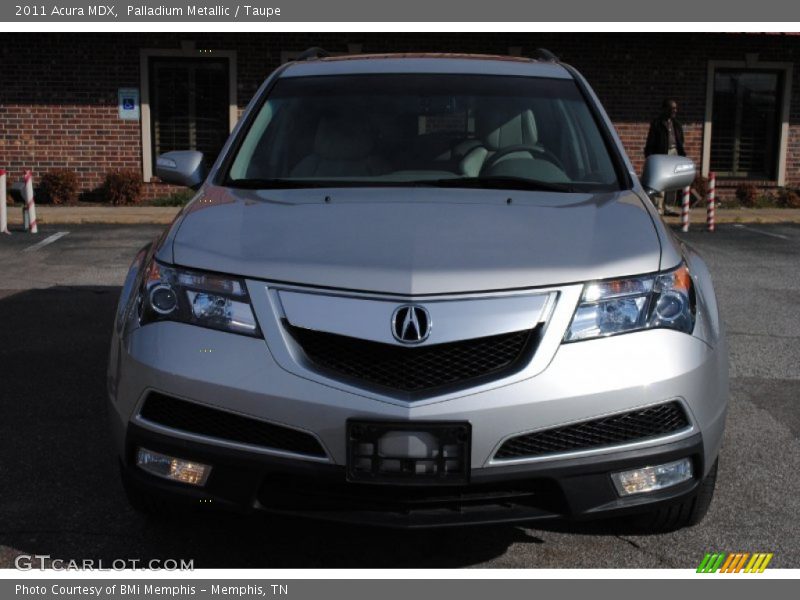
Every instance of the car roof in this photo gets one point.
(473, 64)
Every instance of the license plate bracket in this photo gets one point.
(408, 452)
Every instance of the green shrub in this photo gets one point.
(700, 185)
(747, 194)
(59, 186)
(765, 200)
(179, 198)
(787, 198)
(122, 187)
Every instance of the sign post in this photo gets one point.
(3, 209)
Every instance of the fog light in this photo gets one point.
(650, 479)
(169, 467)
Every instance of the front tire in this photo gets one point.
(686, 513)
(148, 505)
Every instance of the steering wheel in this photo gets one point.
(534, 151)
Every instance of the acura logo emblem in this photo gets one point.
(411, 324)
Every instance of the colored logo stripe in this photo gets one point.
(711, 562)
(734, 563)
(758, 563)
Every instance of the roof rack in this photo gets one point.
(312, 53)
(544, 54)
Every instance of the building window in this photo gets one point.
(189, 105)
(746, 123)
(189, 101)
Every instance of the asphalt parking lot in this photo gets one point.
(60, 494)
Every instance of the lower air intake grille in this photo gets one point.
(418, 369)
(631, 426)
(202, 420)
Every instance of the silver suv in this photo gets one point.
(421, 290)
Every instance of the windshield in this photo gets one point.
(413, 129)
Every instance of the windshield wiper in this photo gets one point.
(501, 183)
(277, 184)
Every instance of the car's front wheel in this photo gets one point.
(146, 504)
(686, 513)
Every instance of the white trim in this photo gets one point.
(187, 51)
(751, 63)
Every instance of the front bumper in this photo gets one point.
(572, 488)
(577, 382)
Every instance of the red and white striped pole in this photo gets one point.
(29, 203)
(712, 204)
(685, 209)
(3, 208)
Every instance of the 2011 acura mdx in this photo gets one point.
(419, 290)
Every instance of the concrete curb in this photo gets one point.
(697, 216)
(163, 215)
(109, 215)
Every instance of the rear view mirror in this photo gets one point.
(666, 173)
(184, 167)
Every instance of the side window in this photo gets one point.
(256, 158)
(591, 153)
(574, 153)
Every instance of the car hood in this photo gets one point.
(416, 241)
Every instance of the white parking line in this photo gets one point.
(777, 235)
(46, 241)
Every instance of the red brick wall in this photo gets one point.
(58, 92)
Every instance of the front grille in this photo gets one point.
(419, 369)
(631, 426)
(202, 420)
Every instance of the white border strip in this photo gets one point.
(276, 575)
(409, 26)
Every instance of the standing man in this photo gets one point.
(665, 137)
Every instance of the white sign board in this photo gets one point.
(128, 104)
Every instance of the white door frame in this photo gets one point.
(188, 51)
(751, 63)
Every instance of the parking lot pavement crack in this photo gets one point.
(629, 541)
(661, 560)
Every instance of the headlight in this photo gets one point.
(214, 301)
(623, 305)
(128, 295)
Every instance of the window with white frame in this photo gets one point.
(189, 105)
(746, 129)
(746, 123)
(189, 101)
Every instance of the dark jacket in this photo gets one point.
(658, 138)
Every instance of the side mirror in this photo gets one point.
(666, 173)
(183, 167)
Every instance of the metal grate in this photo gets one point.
(202, 420)
(417, 369)
(631, 426)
